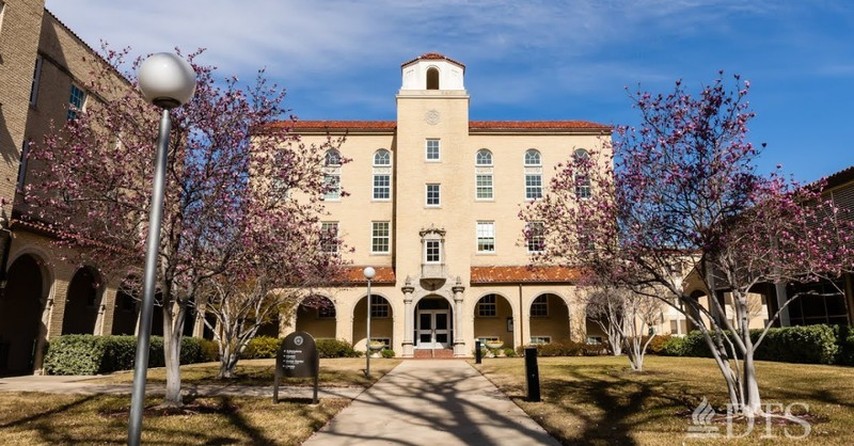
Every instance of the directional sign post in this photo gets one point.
(297, 358)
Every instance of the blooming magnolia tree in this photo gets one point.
(91, 182)
(681, 193)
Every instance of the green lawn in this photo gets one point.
(599, 400)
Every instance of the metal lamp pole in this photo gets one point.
(369, 273)
(166, 81)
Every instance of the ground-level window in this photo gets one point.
(540, 306)
(326, 311)
(540, 340)
(487, 306)
(379, 307)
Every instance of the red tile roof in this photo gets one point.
(352, 276)
(484, 275)
(432, 56)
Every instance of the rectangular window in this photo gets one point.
(533, 187)
(380, 237)
(382, 187)
(432, 150)
(22, 165)
(487, 307)
(432, 253)
(540, 340)
(433, 195)
(333, 187)
(379, 307)
(76, 102)
(582, 187)
(34, 88)
(540, 307)
(329, 236)
(535, 236)
(485, 236)
(483, 186)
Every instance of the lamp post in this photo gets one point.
(369, 274)
(166, 81)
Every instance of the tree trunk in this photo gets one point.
(172, 335)
(753, 402)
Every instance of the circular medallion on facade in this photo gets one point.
(432, 117)
(298, 340)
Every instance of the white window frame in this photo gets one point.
(532, 236)
(438, 194)
(483, 191)
(386, 158)
(377, 239)
(541, 340)
(325, 227)
(71, 113)
(428, 150)
(541, 301)
(582, 182)
(428, 249)
(487, 307)
(381, 192)
(533, 191)
(37, 76)
(485, 237)
(380, 308)
(533, 152)
(477, 157)
(332, 194)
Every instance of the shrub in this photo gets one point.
(90, 355)
(335, 348)
(261, 347)
(210, 350)
(387, 353)
(845, 344)
(509, 352)
(597, 349)
(560, 348)
(812, 344)
(74, 355)
(656, 346)
(673, 346)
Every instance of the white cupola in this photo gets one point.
(432, 71)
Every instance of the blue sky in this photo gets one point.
(525, 60)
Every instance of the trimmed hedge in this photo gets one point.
(261, 347)
(811, 344)
(90, 355)
(567, 348)
(335, 348)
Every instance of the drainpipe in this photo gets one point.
(521, 323)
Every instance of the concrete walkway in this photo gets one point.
(432, 402)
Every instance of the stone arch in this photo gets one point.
(21, 305)
(549, 316)
(494, 318)
(317, 315)
(82, 301)
(126, 311)
(382, 320)
(433, 311)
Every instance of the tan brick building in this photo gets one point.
(44, 67)
(431, 202)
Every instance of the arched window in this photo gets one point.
(532, 157)
(382, 157)
(333, 158)
(581, 154)
(483, 158)
(432, 78)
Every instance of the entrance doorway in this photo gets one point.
(433, 326)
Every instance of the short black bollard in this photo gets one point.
(478, 355)
(532, 374)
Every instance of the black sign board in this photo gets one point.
(297, 358)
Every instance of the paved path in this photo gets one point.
(438, 403)
(88, 385)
